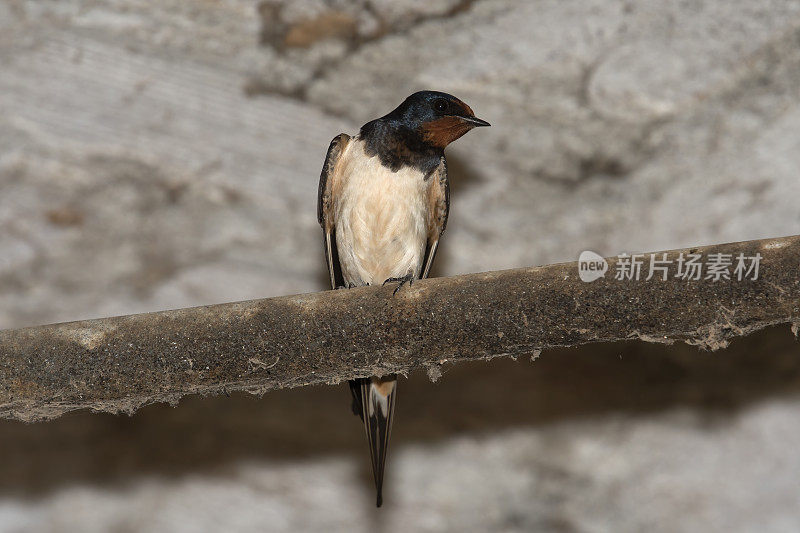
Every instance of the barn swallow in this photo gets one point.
(383, 203)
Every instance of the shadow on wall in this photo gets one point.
(207, 434)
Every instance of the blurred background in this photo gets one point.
(163, 154)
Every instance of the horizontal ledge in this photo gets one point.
(119, 364)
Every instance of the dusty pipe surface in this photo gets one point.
(121, 363)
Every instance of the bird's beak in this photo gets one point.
(474, 121)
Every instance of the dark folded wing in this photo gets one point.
(438, 210)
(328, 187)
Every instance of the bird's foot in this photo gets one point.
(345, 286)
(408, 278)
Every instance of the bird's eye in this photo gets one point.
(440, 105)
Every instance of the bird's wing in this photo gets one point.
(438, 209)
(329, 183)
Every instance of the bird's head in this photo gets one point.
(438, 118)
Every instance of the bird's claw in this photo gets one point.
(408, 278)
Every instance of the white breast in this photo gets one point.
(381, 219)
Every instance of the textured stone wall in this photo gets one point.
(164, 154)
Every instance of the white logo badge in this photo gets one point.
(591, 266)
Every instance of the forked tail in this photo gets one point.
(373, 400)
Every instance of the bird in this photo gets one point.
(383, 203)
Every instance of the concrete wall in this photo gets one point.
(164, 154)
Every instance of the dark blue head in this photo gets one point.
(438, 118)
(417, 132)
